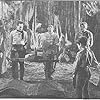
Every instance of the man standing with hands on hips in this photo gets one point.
(18, 41)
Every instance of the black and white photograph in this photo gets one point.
(50, 49)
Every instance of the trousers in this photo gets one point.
(81, 81)
(48, 65)
(18, 51)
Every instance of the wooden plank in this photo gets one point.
(34, 60)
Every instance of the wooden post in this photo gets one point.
(2, 10)
(75, 19)
(3, 45)
(49, 12)
(79, 16)
(21, 10)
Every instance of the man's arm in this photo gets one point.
(77, 60)
(56, 39)
(90, 40)
(10, 43)
(11, 40)
(25, 39)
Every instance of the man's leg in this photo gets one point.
(79, 85)
(14, 69)
(14, 65)
(22, 55)
(85, 90)
(1, 60)
(47, 65)
(50, 70)
(50, 66)
(21, 70)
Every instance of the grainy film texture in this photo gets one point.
(49, 49)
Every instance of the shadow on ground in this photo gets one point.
(35, 85)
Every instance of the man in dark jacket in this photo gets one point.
(82, 73)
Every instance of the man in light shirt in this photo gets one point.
(49, 46)
(18, 41)
(85, 32)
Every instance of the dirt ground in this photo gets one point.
(63, 75)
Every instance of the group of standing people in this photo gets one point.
(18, 47)
(50, 46)
(84, 60)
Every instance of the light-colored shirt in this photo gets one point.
(49, 42)
(49, 39)
(16, 37)
(89, 36)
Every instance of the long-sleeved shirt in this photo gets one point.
(49, 41)
(17, 37)
(89, 36)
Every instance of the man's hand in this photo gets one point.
(22, 42)
(74, 81)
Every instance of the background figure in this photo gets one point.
(50, 48)
(82, 73)
(63, 45)
(18, 49)
(89, 37)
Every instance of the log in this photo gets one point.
(34, 60)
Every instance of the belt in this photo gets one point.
(17, 47)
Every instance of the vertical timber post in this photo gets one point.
(79, 16)
(21, 10)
